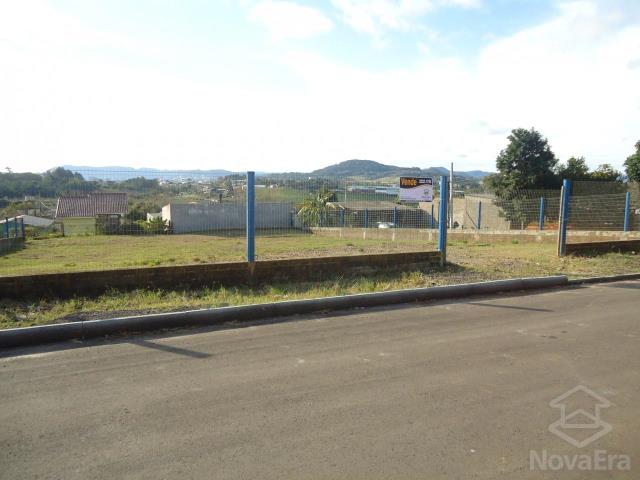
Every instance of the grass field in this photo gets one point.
(469, 262)
(71, 254)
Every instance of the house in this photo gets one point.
(87, 214)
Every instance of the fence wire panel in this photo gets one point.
(520, 210)
(97, 218)
(338, 216)
(601, 207)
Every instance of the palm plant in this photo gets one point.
(313, 209)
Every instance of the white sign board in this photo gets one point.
(416, 189)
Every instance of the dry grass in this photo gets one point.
(470, 262)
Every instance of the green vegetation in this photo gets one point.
(632, 164)
(91, 252)
(312, 210)
(527, 162)
(48, 184)
(470, 262)
(528, 169)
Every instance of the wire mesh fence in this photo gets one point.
(100, 218)
(603, 207)
(520, 210)
(92, 219)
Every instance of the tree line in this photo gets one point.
(60, 181)
(528, 163)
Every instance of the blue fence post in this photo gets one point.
(541, 215)
(564, 217)
(24, 234)
(15, 227)
(251, 217)
(479, 222)
(366, 218)
(342, 217)
(442, 220)
(395, 217)
(433, 219)
(627, 211)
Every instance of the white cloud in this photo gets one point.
(375, 17)
(285, 20)
(570, 77)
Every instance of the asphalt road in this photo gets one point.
(441, 390)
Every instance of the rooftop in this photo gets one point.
(92, 205)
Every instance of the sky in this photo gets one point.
(279, 85)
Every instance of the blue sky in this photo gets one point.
(296, 85)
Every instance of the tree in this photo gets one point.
(527, 162)
(576, 168)
(313, 209)
(605, 173)
(632, 165)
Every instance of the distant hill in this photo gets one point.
(367, 169)
(126, 173)
(375, 170)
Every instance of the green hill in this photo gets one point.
(375, 170)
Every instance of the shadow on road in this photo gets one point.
(170, 349)
(510, 306)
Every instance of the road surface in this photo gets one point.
(450, 389)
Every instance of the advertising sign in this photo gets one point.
(416, 189)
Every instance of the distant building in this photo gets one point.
(82, 214)
(216, 216)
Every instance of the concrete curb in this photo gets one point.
(609, 278)
(26, 336)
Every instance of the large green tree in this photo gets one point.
(526, 163)
(632, 165)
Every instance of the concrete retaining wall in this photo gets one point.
(482, 236)
(230, 274)
(603, 246)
